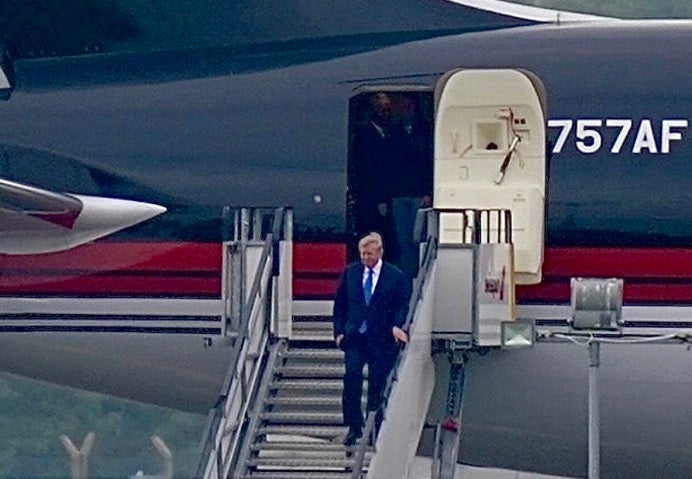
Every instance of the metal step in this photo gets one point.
(311, 386)
(315, 325)
(311, 401)
(331, 432)
(314, 354)
(299, 474)
(312, 371)
(308, 454)
(301, 463)
(325, 339)
(302, 417)
(311, 446)
(312, 331)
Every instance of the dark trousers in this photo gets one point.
(359, 351)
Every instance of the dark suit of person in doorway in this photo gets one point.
(369, 311)
(411, 178)
(373, 149)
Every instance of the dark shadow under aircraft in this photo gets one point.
(117, 111)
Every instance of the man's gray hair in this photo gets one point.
(370, 238)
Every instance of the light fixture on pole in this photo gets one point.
(596, 303)
(596, 307)
(517, 334)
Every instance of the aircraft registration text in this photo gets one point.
(588, 134)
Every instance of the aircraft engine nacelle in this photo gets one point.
(490, 153)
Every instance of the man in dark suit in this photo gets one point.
(411, 178)
(373, 152)
(369, 311)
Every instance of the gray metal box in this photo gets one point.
(455, 284)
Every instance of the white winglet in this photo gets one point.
(24, 233)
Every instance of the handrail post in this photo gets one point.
(282, 313)
(594, 412)
(245, 218)
(226, 276)
(219, 461)
(232, 286)
(477, 230)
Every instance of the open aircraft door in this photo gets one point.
(490, 153)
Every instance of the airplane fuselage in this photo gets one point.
(618, 109)
(619, 186)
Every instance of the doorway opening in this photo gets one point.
(390, 167)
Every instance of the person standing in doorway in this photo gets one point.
(374, 152)
(370, 309)
(411, 179)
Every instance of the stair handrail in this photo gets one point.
(217, 417)
(429, 255)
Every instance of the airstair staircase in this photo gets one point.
(297, 431)
(279, 413)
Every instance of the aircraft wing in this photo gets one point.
(34, 220)
(526, 12)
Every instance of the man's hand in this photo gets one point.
(399, 334)
(338, 340)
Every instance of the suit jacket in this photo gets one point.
(374, 155)
(388, 304)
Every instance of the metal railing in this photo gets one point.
(481, 226)
(369, 432)
(227, 420)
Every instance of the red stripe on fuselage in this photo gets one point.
(190, 269)
(104, 256)
(652, 275)
(117, 269)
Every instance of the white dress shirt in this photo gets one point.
(375, 274)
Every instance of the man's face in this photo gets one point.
(382, 106)
(408, 108)
(370, 254)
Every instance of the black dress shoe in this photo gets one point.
(352, 437)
